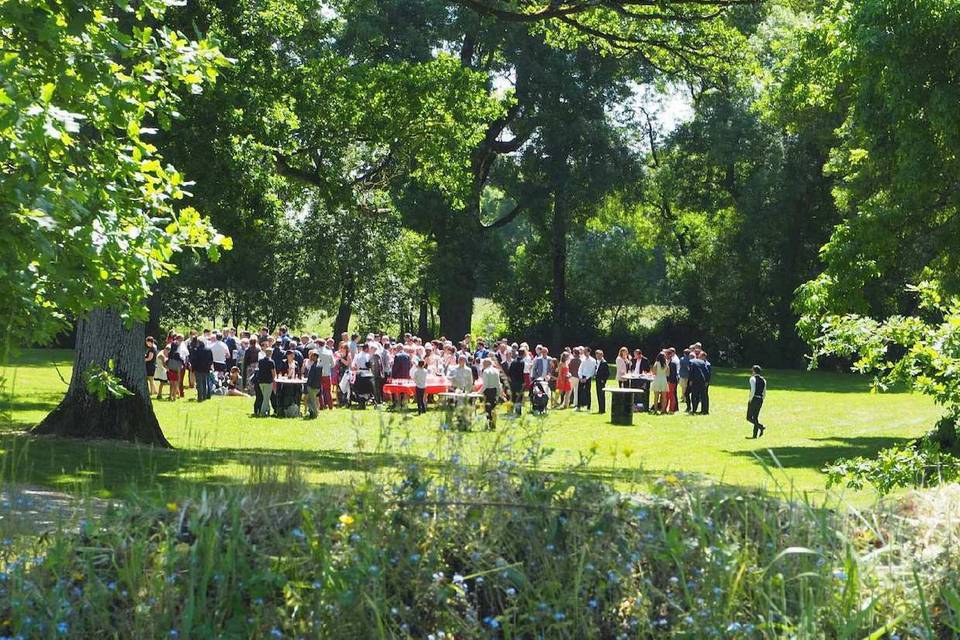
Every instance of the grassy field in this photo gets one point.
(811, 418)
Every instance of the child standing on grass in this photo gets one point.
(758, 392)
(420, 380)
(160, 373)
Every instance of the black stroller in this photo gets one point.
(361, 392)
(540, 396)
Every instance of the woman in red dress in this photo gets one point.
(564, 388)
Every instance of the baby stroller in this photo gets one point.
(362, 390)
(540, 396)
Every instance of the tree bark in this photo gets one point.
(558, 295)
(342, 321)
(423, 328)
(103, 337)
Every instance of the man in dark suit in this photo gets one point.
(201, 359)
(401, 366)
(699, 374)
(603, 374)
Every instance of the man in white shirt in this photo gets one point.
(588, 369)
(462, 376)
(492, 390)
(363, 358)
(220, 353)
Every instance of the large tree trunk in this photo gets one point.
(102, 337)
(558, 295)
(347, 293)
(423, 327)
(456, 268)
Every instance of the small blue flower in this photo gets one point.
(276, 633)
(592, 603)
(174, 633)
(298, 533)
(734, 627)
(511, 592)
(415, 557)
(491, 622)
(62, 628)
(839, 574)
(559, 616)
(111, 586)
(457, 579)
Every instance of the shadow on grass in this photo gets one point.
(799, 381)
(817, 456)
(110, 469)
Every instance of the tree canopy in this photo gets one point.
(93, 215)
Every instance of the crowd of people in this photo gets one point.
(675, 377)
(248, 364)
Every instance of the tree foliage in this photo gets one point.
(93, 214)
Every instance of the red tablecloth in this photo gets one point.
(435, 384)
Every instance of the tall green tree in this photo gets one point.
(304, 123)
(888, 292)
(94, 213)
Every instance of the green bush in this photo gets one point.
(498, 546)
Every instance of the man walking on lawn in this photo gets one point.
(758, 392)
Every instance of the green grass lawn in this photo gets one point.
(811, 418)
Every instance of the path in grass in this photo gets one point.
(812, 418)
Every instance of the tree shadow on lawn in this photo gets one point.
(800, 381)
(111, 469)
(818, 456)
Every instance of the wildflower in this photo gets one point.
(550, 548)
(172, 507)
(62, 628)
(174, 633)
(420, 494)
(276, 633)
(374, 569)
(839, 574)
(662, 622)
(479, 580)
(491, 622)
(559, 616)
(511, 592)
(346, 520)
(317, 584)
(674, 580)
(457, 578)
(612, 576)
(438, 576)
(415, 557)
(688, 620)
(298, 533)
(354, 537)
(592, 603)
(734, 627)
(258, 601)
(111, 586)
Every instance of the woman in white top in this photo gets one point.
(623, 365)
(659, 385)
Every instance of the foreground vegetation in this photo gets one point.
(504, 548)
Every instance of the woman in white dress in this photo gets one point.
(659, 385)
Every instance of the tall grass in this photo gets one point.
(497, 545)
